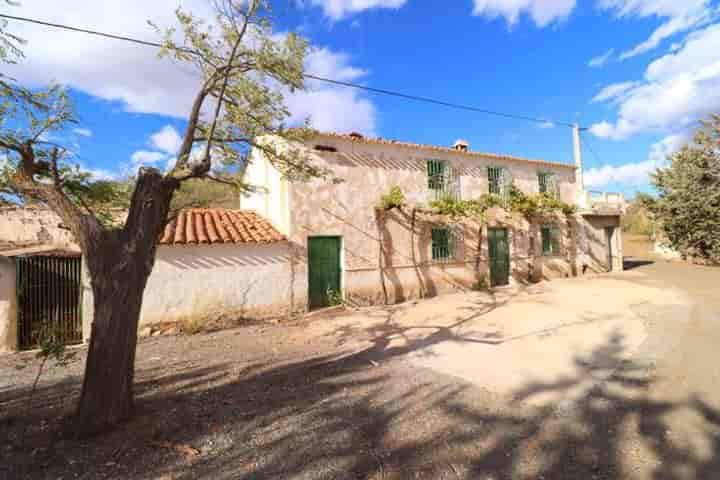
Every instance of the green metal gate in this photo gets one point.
(49, 294)
(499, 256)
(324, 271)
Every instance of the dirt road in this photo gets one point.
(414, 391)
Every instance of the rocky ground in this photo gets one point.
(319, 398)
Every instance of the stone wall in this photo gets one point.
(33, 226)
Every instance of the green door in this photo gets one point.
(499, 256)
(324, 271)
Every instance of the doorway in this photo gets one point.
(609, 235)
(499, 254)
(324, 271)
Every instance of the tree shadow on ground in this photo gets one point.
(368, 414)
(631, 263)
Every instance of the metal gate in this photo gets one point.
(49, 300)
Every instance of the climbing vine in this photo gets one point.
(395, 198)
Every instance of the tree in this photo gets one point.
(245, 68)
(688, 204)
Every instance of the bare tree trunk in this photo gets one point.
(107, 397)
(120, 263)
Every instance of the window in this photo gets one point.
(547, 183)
(499, 181)
(443, 245)
(550, 240)
(437, 174)
(443, 180)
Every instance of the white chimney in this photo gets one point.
(461, 145)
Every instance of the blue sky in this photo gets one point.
(637, 73)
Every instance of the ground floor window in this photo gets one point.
(550, 240)
(443, 245)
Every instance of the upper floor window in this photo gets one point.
(437, 173)
(442, 180)
(547, 183)
(550, 240)
(499, 181)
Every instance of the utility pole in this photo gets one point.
(581, 195)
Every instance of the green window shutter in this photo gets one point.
(495, 180)
(550, 240)
(547, 183)
(546, 241)
(499, 182)
(441, 244)
(436, 173)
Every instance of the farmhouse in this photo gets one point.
(345, 246)
(292, 247)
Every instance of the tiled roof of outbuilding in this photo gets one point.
(219, 225)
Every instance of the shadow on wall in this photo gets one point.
(212, 256)
(337, 413)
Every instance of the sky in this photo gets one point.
(637, 74)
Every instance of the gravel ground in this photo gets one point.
(281, 401)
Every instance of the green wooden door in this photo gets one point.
(499, 256)
(324, 271)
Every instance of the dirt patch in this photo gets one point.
(347, 396)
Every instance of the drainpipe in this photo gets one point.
(581, 195)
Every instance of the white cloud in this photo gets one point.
(678, 89)
(679, 16)
(601, 60)
(543, 12)
(546, 125)
(133, 75)
(85, 132)
(146, 157)
(167, 139)
(333, 108)
(635, 174)
(339, 9)
(615, 91)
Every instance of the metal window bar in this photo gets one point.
(550, 240)
(443, 181)
(547, 184)
(49, 300)
(443, 246)
(499, 183)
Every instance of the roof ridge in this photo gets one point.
(354, 137)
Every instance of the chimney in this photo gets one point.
(461, 145)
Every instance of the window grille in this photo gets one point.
(442, 180)
(550, 240)
(444, 241)
(547, 184)
(499, 182)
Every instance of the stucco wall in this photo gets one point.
(8, 306)
(250, 280)
(368, 171)
(595, 250)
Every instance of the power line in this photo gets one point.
(592, 150)
(380, 91)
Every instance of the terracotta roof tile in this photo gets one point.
(356, 137)
(207, 226)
